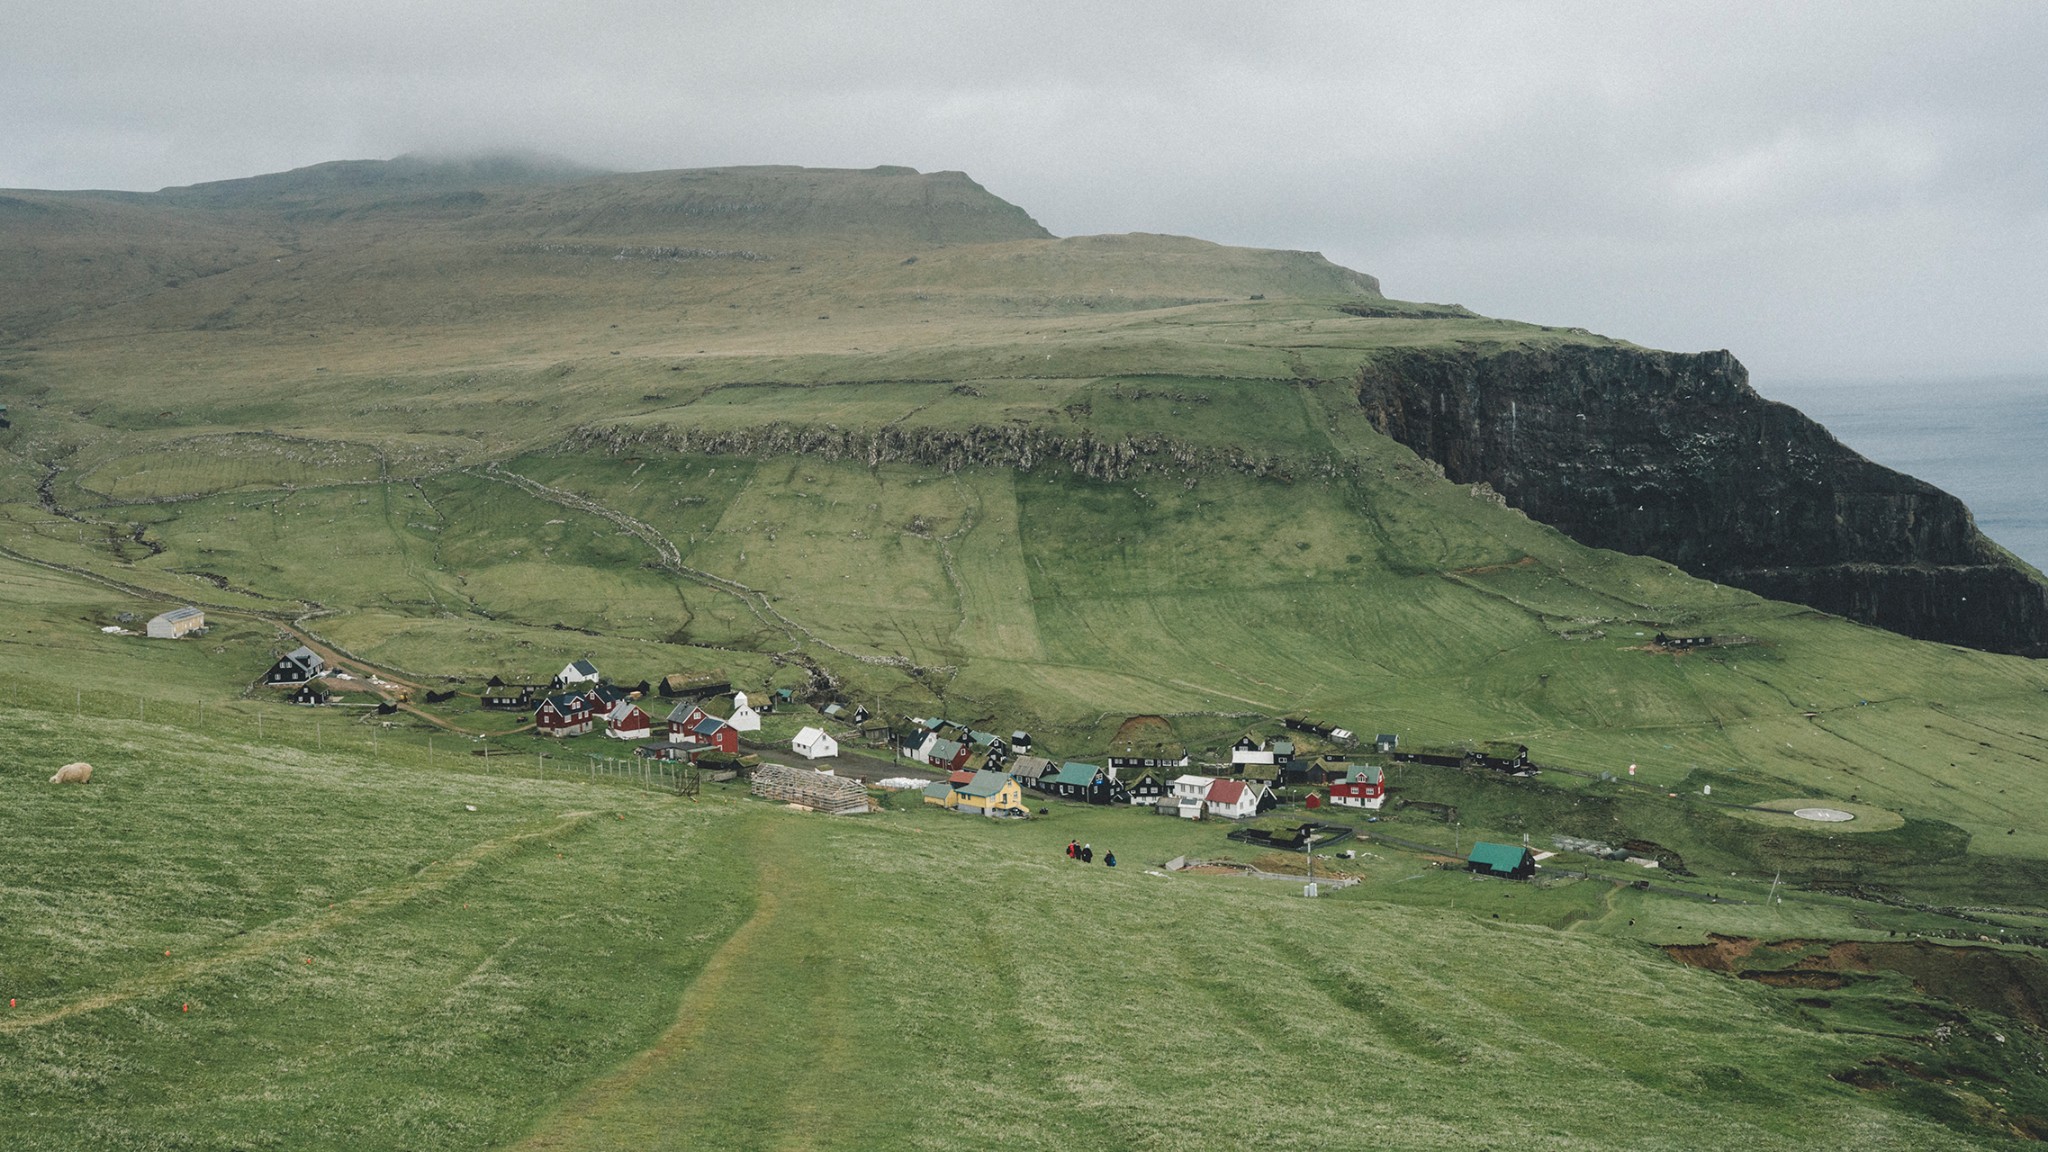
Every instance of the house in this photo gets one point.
(916, 742)
(1385, 743)
(576, 672)
(694, 685)
(1364, 788)
(991, 794)
(504, 697)
(692, 722)
(175, 623)
(1028, 770)
(743, 718)
(627, 721)
(1249, 751)
(1237, 799)
(1507, 861)
(1189, 793)
(1083, 782)
(814, 744)
(310, 694)
(947, 755)
(1020, 741)
(1150, 789)
(566, 714)
(939, 792)
(295, 667)
(1128, 761)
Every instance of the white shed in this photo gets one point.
(814, 744)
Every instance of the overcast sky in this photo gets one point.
(1825, 189)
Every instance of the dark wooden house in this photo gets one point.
(295, 667)
(1507, 861)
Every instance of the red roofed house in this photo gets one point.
(1237, 799)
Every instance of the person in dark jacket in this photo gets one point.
(1109, 859)
(1087, 854)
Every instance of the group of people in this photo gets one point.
(1085, 853)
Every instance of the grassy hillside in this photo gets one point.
(876, 430)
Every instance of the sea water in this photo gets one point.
(1984, 441)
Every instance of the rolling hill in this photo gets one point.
(876, 436)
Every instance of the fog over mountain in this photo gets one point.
(1832, 190)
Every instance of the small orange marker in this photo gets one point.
(309, 959)
(167, 951)
(11, 1001)
(188, 1007)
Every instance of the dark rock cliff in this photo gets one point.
(1674, 456)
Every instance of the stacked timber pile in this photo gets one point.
(808, 788)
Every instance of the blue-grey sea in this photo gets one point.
(1984, 440)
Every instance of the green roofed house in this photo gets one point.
(1511, 861)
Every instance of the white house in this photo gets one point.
(1189, 792)
(175, 623)
(1234, 799)
(814, 744)
(1250, 751)
(743, 717)
(576, 672)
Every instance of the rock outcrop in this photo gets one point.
(1675, 456)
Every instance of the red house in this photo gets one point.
(628, 722)
(1365, 788)
(692, 722)
(565, 714)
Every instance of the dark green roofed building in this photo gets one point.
(1510, 861)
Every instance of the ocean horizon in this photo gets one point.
(1983, 440)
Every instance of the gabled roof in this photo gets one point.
(624, 711)
(1370, 774)
(1032, 766)
(581, 668)
(1226, 792)
(177, 614)
(569, 702)
(984, 784)
(681, 712)
(938, 789)
(963, 776)
(708, 726)
(942, 749)
(1498, 857)
(1076, 773)
(304, 657)
(983, 739)
(1204, 781)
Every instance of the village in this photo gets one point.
(700, 726)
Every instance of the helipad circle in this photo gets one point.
(1824, 815)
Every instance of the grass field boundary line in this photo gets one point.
(434, 877)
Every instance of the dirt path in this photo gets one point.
(577, 1124)
(163, 980)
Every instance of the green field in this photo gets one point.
(879, 439)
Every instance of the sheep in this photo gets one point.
(73, 774)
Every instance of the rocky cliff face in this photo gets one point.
(1676, 457)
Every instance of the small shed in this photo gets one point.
(810, 788)
(814, 744)
(1508, 861)
(175, 623)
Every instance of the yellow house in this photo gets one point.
(989, 793)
